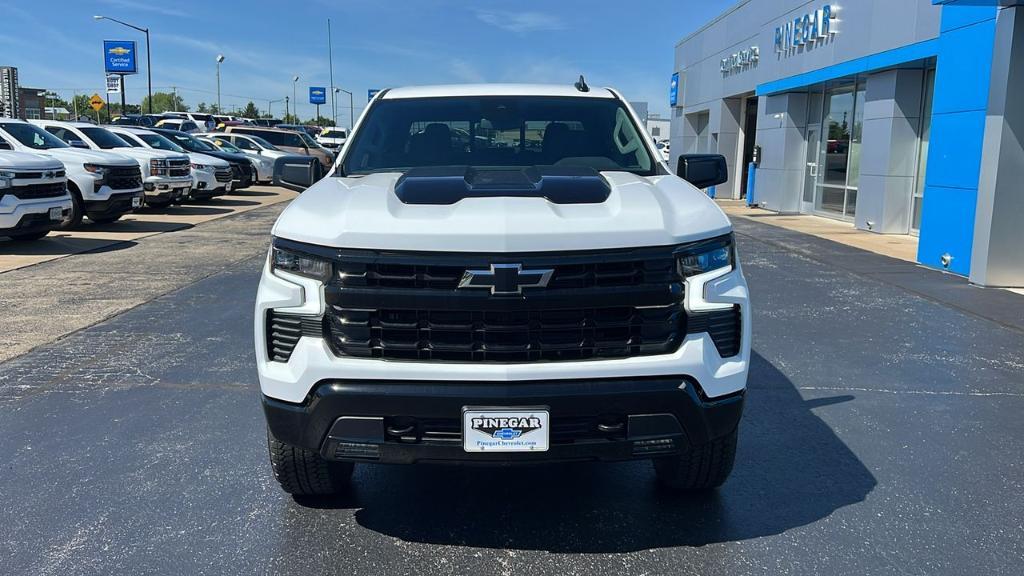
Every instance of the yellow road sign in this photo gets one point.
(96, 102)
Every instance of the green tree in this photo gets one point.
(290, 119)
(165, 102)
(203, 108)
(322, 122)
(250, 111)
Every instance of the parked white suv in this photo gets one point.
(262, 153)
(103, 185)
(332, 138)
(499, 274)
(166, 176)
(210, 176)
(33, 195)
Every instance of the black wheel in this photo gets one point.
(301, 472)
(27, 237)
(105, 219)
(74, 217)
(700, 468)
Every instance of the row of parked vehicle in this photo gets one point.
(53, 174)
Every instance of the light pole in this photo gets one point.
(149, 65)
(351, 108)
(295, 101)
(271, 103)
(220, 58)
(286, 108)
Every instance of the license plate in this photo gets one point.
(56, 213)
(227, 187)
(136, 201)
(505, 429)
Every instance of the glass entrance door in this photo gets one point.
(811, 169)
(838, 159)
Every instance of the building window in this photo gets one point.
(656, 131)
(32, 113)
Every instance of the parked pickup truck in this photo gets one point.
(502, 274)
(166, 176)
(210, 176)
(33, 195)
(103, 185)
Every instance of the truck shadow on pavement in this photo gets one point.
(791, 470)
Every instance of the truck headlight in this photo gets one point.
(96, 169)
(200, 166)
(705, 257)
(5, 179)
(300, 263)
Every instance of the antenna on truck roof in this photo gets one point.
(581, 85)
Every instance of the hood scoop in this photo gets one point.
(449, 184)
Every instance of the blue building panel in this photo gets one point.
(962, 78)
(954, 149)
(965, 66)
(949, 213)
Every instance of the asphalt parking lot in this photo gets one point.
(882, 435)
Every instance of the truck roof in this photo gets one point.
(443, 90)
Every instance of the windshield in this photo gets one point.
(332, 134)
(191, 144)
(225, 145)
(308, 140)
(32, 136)
(290, 139)
(104, 138)
(263, 143)
(160, 143)
(498, 131)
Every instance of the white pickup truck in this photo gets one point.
(103, 185)
(33, 195)
(502, 274)
(166, 176)
(210, 176)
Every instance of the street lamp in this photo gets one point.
(220, 58)
(149, 65)
(295, 101)
(351, 108)
(271, 103)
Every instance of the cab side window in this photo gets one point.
(61, 133)
(244, 144)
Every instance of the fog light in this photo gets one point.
(654, 446)
(357, 450)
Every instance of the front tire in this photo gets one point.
(74, 218)
(701, 467)
(302, 472)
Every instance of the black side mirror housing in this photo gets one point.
(78, 144)
(297, 172)
(702, 170)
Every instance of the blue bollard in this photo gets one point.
(711, 191)
(751, 176)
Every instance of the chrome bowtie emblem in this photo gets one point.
(506, 278)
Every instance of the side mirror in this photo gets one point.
(702, 170)
(5, 145)
(296, 172)
(78, 144)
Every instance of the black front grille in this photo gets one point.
(179, 168)
(564, 429)
(223, 175)
(124, 178)
(505, 336)
(724, 326)
(32, 191)
(284, 331)
(38, 175)
(570, 275)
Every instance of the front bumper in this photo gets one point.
(165, 187)
(27, 217)
(394, 421)
(116, 205)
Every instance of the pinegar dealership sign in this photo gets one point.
(806, 30)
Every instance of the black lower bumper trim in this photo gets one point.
(115, 206)
(32, 223)
(406, 422)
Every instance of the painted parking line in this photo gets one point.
(147, 222)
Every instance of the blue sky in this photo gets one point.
(377, 44)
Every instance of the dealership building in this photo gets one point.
(898, 116)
